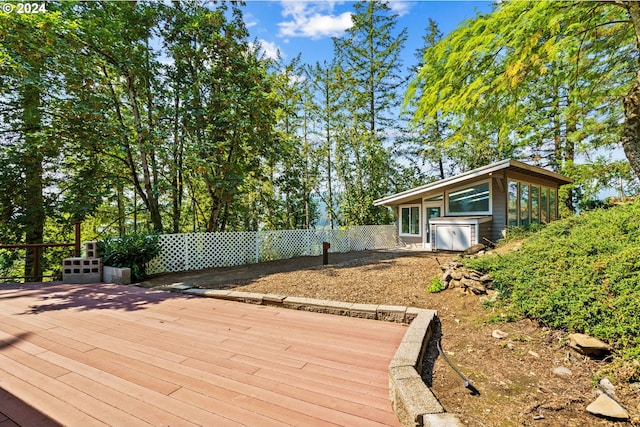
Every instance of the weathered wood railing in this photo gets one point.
(33, 252)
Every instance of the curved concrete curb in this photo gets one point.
(414, 403)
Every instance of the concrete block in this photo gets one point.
(413, 312)
(91, 249)
(273, 299)
(338, 308)
(82, 270)
(365, 311)
(253, 298)
(408, 354)
(237, 296)
(216, 293)
(391, 313)
(117, 275)
(411, 398)
(298, 303)
(441, 420)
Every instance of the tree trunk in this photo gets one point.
(148, 196)
(631, 132)
(32, 162)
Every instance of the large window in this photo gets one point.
(535, 204)
(528, 203)
(524, 205)
(410, 220)
(544, 205)
(512, 204)
(470, 200)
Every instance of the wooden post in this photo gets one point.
(77, 242)
(325, 252)
(36, 265)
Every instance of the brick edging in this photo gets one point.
(414, 403)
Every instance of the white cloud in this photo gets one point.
(400, 7)
(250, 21)
(313, 19)
(269, 49)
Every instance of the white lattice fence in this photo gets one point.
(283, 244)
(339, 240)
(372, 237)
(194, 251)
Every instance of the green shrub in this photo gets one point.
(581, 274)
(521, 232)
(436, 286)
(133, 250)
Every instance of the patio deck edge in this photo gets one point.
(413, 401)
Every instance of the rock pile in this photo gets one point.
(455, 275)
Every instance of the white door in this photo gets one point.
(453, 237)
(430, 211)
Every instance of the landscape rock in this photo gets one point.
(498, 334)
(457, 274)
(454, 283)
(447, 275)
(608, 388)
(607, 407)
(454, 275)
(587, 345)
(485, 278)
(472, 250)
(562, 371)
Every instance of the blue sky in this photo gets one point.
(306, 27)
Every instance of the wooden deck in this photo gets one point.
(94, 355)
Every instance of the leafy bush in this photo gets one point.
(581, 274)
(133, 250)
(521, 232)
(436, 286)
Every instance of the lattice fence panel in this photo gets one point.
(172, 255)
(283, 244)
(183, 252)
(339, 240)
(207, 250)
(372, 237)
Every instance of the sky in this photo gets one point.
(307, 27)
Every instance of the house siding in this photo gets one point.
(485, 232)
(499, 211)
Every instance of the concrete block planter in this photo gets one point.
(117, 275)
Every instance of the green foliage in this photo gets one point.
(369, 56)
(133, 250)
(518, 233)
(581, 274)
(540, 81)
(436, 286)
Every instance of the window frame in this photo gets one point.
(447, 200)
(544, 202)
(410, 206)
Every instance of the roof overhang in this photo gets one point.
(488, 170)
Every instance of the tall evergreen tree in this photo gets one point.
(369, 54)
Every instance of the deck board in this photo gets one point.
(117, 355)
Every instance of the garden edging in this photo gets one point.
(413, 402)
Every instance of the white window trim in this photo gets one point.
(414, 205)
(453, 190)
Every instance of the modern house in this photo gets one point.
(458, 212)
